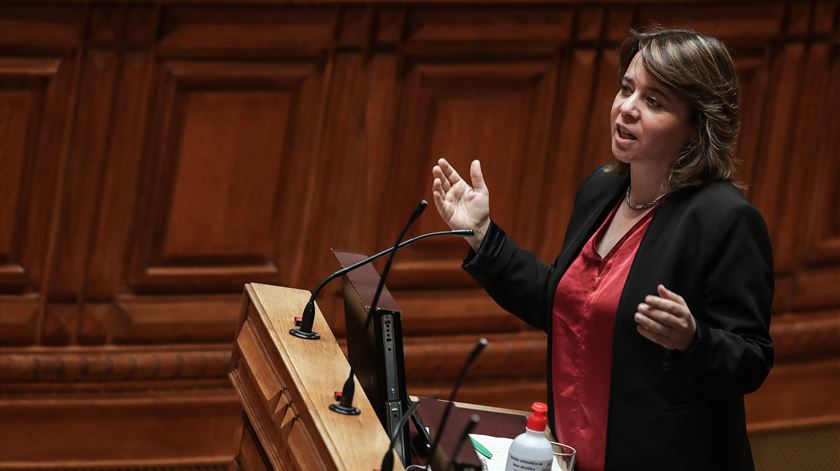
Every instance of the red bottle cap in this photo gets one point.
(537, 420)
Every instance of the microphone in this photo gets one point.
(304, 331)
(479, 347)
(345, 405)
(465, 436)
(388, 459)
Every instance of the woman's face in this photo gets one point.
(650, 123)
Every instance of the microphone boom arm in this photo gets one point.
(345, 405)
(308, 317)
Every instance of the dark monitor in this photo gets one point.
(376, 353)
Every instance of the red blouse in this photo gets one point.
(585, 303)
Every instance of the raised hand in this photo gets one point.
(666, 320)
(460, 205)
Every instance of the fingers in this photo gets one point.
(477, 177)
(667, 305)
(668, 294)
(437, 188)
(437, 173)
(654, 318)
(451, 177)
(653, 336)
(666, 320)
(448, 176)
(437, 196)
(662, 314)
(665, 335)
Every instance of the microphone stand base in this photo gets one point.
(345, 410)
(305, 335)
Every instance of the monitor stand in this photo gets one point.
(376, 352)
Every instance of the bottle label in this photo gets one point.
(519, 464)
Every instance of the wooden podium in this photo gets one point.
(286, 385)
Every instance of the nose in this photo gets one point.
(628, 108)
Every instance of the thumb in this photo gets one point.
(666, 293)
(477, 177)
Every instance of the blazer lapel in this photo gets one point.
(641, 279)
(643, 275)
(595, 215)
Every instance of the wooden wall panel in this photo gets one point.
(498, 112)
(224, 135)
(231, 164)
(82, 173)
(156, 156)
(120, 189)
(16, 107)
(33, 101)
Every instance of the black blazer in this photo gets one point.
(668, 410)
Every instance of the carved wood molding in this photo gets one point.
(796, 337)
(801, 336)
(127, 429)
(112, 364)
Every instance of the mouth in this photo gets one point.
(622, 132)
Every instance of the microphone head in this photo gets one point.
(418, 210)
(479, 346)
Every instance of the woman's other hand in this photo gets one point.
(460, 205)
(666, 320)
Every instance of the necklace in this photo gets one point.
(641, 206)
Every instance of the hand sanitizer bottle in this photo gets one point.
(531, 451)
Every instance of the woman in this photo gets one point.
(658, 307)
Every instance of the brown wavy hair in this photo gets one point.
(699, 69)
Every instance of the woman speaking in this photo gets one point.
(657, 309)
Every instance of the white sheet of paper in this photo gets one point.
(499, 447)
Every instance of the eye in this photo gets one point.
(653, 103)
(625, 90)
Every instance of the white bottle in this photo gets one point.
(531, 451)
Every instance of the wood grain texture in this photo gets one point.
(287, 384)
(156, 156)
(202, 425)
(31, 105)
